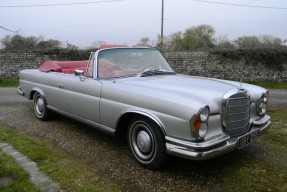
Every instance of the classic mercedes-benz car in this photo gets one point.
(133, 93)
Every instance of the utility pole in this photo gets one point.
(162, 19)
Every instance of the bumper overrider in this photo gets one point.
(215, 147)
(20, 91)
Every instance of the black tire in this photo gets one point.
(147, 143)
(40, 107)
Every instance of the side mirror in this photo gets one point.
(79, 72)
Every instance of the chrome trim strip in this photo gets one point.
(156, 120)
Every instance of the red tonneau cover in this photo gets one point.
(63, 66)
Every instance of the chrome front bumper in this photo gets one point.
(212, 148)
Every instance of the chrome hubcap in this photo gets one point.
(144, 142)
(40, 106)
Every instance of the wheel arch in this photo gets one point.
(127, 116)
(35, 90)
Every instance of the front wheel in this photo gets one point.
(40, 107)
(147, 143)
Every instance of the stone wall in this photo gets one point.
(205, 64)
(12, 62)
(212, 65)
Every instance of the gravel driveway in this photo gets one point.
(112, 158)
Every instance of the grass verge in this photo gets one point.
(255, 172)
(9, 82)
(270, 84)
(70, 174)
(13, 177)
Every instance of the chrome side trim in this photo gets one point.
(156, 120)
(38, 90)
(85, 121)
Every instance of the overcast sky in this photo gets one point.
(127, 21)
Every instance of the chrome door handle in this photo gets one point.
(61, 86)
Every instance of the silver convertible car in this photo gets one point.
(133, 93)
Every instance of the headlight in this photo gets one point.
(199, 123)
(261, 105)
(204, 114)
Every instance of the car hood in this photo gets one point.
(180, 90)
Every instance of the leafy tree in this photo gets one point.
(248, 42)
(258, 41)
(71, 46)
(145, 41)
(270, 41)
(204, 34)
(222, 42)
(176, 41)
(198, 37)
(202, 37)
(18, 42)
(49, 44)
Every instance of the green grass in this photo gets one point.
(9, 82)
(262, 174)
(18, 179)
(70, 174)
(270, 84)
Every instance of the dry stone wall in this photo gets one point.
(12, 62)
(195, 63)
(208, 64)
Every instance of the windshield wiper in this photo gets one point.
(155, 72)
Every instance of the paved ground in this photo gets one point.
(112, 158)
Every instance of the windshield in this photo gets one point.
(120, 62)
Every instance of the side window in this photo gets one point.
(91, 65)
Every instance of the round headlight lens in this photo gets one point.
(203, 130)
(200, 124)
(204, 114)
(262, 104)
(264, 108)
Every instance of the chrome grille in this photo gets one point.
(237, 113)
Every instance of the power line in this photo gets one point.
(58, 4)
(7, 29)
(240, 5)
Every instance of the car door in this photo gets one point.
(79, 96)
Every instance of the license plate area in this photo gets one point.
(247, 139)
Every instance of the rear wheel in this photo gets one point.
(40, 107)
(147, 143)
